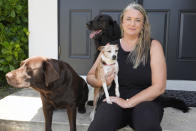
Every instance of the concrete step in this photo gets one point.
(22, 111)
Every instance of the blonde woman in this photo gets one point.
(142, 78)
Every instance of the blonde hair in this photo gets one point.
(141, 51)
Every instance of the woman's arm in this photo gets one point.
(91, 78)
(159, 76)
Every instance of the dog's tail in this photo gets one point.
(173, 102)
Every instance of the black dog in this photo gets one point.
(103, 30)
(58, 84)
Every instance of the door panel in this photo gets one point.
(173, 24)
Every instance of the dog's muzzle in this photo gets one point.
(114, 57)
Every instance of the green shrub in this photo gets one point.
(13, 35)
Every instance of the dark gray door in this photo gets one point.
(173, 22)
(75, 46)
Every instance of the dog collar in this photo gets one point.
(104, 63)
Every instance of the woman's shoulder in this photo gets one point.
(156, 47)
(155, 44)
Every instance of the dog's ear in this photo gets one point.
(111, 22)
(22, 63)
(100, 48)
(116, 30)
(49, 72)
(117, 47)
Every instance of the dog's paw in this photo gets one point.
(81, 110)
(117, 93)
(108, 101)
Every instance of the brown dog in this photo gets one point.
(58, 84)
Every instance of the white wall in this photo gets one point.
(43, 20)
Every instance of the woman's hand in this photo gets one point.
(121, 102)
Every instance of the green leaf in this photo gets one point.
(13, 14)
(2, 61)
(19, 7)
(5, 44)
(1, 2)
(1, 68)
(5, 51)
(16, 55)
(9, 58)
(1, 26)
(11, 67)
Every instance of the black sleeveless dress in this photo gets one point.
(131, 81)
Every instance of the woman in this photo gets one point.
(142, 78)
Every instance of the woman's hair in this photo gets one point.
(141, 51)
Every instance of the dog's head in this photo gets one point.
(109, 53)
(100, 24)
(32, 72)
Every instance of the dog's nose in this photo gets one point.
(89, 23)
(9, 75)
(114, 57)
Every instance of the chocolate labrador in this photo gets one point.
(59, 86)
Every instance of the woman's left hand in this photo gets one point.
(119, 101)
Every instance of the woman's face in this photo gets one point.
(132, 22)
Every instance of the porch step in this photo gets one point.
(22, 111)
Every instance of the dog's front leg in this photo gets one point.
(106, 93)
(71, 112)
(116, 86)
(48, 112)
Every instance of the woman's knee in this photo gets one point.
(148, 116)
(149, 111)
(148, 126)
(107, 117)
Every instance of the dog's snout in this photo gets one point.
(114, 57)
(9, 75)
(89, 23)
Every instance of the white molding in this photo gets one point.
(181, 85)
(43, 28)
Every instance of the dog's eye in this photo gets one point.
(29, 71)
(109, 51)
(116, 50)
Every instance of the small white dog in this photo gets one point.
(107, 64)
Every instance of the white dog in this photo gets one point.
(107, 64)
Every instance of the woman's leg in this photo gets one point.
(108, 117)
(146, 116)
